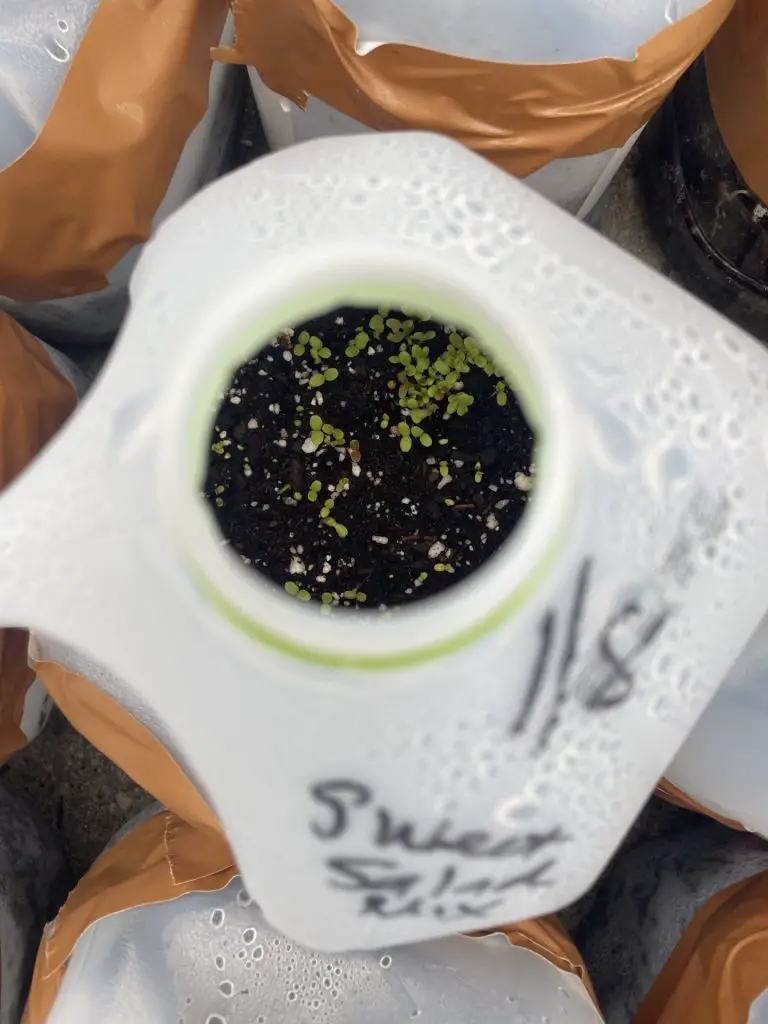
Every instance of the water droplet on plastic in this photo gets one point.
(217, 918)
(63, 25)
(227, 989)
(258, 953)
(249, 936)
(292, 996)
(385, 962)
(57, 51)
(215, 1018)
(244, 898)
(219, 963)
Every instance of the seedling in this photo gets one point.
(378, 381)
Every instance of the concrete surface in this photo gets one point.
(86, 798)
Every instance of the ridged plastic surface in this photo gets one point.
(503, 790)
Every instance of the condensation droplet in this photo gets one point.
(219, 963)
(244, 898)
(386, 962)
(63, 26)
(249, 936)
(217, 918)
(258, 953)
(57, 51)
(672, 12)
(215, 1018)
(227, 989)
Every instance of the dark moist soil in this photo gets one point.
(405, 527)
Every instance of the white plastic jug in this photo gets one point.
(33, 883)
(477, 757)
(212, 957)
(722, 763)
(521, 33)
(38, 41)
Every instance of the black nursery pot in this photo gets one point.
(711, 227)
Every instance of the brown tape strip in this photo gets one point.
(669, 792)
(737, 73)
(547, 937)
(720, 965)
(124, 740)
(519, 116)
(87, 189)
(34, 401)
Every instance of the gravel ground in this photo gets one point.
(86, 797)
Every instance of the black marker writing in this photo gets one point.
(547, 640)
(618, 680)
(339, 796)
(570, 650)
(370, 873)
(472, 884)
(345, 798)
(389, 892)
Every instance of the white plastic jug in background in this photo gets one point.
(210, 956)
(504, 734)
(554, 33)
(683, 895)
(722, 763)
(39, 41)
(33, 884)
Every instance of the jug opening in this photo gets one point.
(369, 458)
(310, 460)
